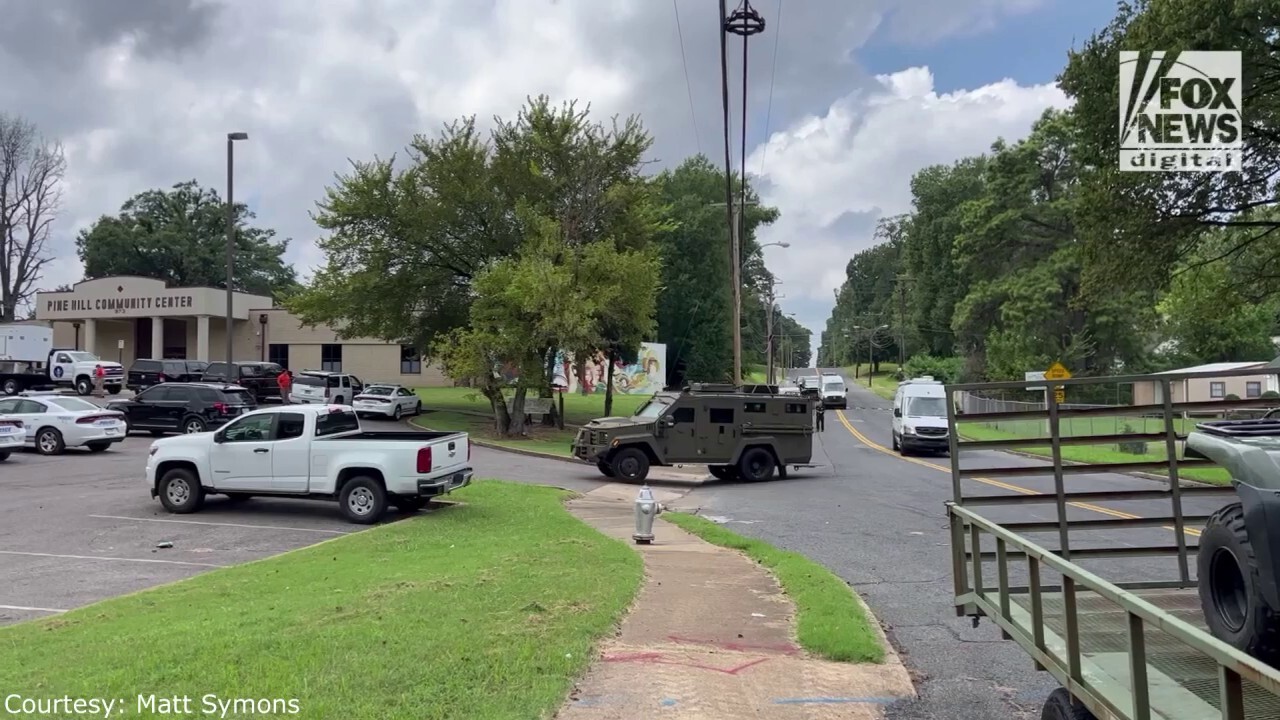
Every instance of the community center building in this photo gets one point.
(124, 318)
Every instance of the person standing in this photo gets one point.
(820, 417)
(99, 377)
(285, 380)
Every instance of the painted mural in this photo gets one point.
(644, 377)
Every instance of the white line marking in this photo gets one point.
(33, 609)
(218, 524)
(101, 557)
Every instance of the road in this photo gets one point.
(879, 522)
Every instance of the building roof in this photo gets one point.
(1215, 367)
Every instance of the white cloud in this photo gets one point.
(834, 175)
(143, 93)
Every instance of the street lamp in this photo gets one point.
(231, 238)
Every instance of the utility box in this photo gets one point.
(25, 343)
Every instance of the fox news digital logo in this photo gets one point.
(1180, 111)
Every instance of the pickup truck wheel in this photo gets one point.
(756, 465)
(363, 500)
(1230, 587)
(631, 464)
(1060, 706)
(180, 492)
(84, 386)
(605, 469)
(11, 387)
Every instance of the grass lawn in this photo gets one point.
(830, 622)
(578, 409)
(487, 610)
(1097, 453)
(882, 382)
(550, 440)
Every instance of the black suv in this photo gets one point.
(147, 372)
(259, 378)
(184, 407)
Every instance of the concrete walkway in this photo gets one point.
(711, 635)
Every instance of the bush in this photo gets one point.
(1231, 396)
(943, 369)
(1132, 447)
(1271, 395)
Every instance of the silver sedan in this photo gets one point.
(386, 400)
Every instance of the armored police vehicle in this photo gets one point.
(746, 433)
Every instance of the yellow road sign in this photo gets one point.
(1059, 395)
(1057, 371)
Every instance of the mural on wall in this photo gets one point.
(644, 377)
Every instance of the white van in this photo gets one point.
(834, 392)
(920, 416)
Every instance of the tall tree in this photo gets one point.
(180, 236)
(1139, 224)
(31, 170)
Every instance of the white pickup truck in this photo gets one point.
(309, 451)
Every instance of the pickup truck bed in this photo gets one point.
(411, 435)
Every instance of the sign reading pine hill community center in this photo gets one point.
(119, 304)
(1180, 111)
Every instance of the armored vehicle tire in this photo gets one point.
(1061, 706)
(727, 473)
(605, 469)
(630, 463)
(756, 464)
(1230, 589)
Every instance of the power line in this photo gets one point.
(688, 86)
(773, 74)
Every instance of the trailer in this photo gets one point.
(1120, 643)
(24, 350)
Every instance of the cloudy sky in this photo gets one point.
(862, 95)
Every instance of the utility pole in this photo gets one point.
(902, 322)
(736, 244)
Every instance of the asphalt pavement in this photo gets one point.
(879, 521)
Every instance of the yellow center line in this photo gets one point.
(994, 483)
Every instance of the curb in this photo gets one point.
(1137, 473)
(485, 415)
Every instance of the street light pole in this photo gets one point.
(231, 241)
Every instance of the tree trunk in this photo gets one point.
(560, 402)
(517, 426)
(551, 419)
(608, 384)
(501, 418)
(580, 367)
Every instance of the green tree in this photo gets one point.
(1136, 225)
(180, 236)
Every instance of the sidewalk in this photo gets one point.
(711, 636)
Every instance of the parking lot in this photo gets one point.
(81, 527)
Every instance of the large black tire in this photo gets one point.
(728, 473)
(1231, 589)
(180, 492)
(363, 500)
(113, 389)
(1061, 706)
(11, 387)
(896, 446)
(631, 464)
(756, 465)
(4, 455)
(605, 469)
(84, 386)
(49, 441)
(98, 447)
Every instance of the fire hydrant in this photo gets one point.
(646, 510)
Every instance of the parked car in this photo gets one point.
(54, 423)
(259, 378)
(184, 407)
(147, 372)
(12, 435)
(322, 386)
(313, 452)
(388, 401)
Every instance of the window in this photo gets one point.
(410, 360)
(278, 353)
(926, 407)
(181, 394)
(155, 394)
(1253, 389)
(238, 398)
(1217, 390)
(333, 423)
(290, 426)
(8, 406)
(216, 370)
(255, 428)
(721, 416)
(797, 408)
(147, 365)
(652, 409)
(331, 358)
(402, 392)
(73, 404)
(754, 407)
(683, 415)
(175, 367)
(31, 407)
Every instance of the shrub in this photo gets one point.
(1271, 395)
(1231, 396)
(943, 369)
(1132, 447)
